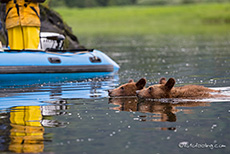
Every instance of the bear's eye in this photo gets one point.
(150, 89)
(122, 88)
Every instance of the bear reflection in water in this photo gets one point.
(161, 111)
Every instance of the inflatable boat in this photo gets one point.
(37, 67)
(55, 61)
(52, 62)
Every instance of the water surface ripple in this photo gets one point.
(77, 116)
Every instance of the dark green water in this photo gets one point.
(79, 117)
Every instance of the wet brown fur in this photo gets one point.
(128, 89)
(166, 89)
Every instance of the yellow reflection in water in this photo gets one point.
(27, 132)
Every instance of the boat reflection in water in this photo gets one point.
(161, 111)
(23, 128)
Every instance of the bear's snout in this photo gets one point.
(110, 92)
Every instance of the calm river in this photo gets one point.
(77, 116)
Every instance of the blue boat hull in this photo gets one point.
(55, 62)
(32, 67)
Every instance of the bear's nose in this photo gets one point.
(109, 91)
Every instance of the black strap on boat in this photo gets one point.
(69, 50)
(52, 50)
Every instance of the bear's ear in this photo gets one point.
(141, 83)
(169, 84)
(162, 80)
(131, 80)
